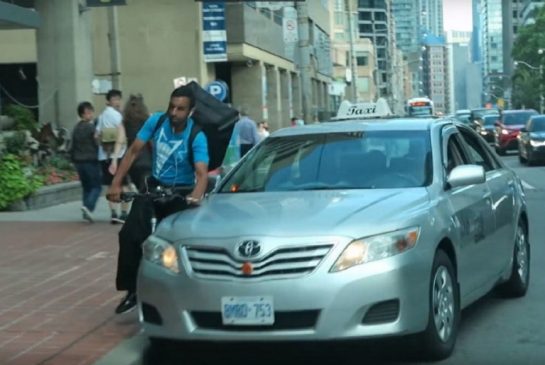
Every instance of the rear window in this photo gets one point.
(538, 124)
(490, 119)
(517, 118)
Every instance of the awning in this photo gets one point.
(17, 17)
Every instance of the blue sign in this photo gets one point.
(214, 33)
(218, 89)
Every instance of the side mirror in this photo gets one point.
(464, 175)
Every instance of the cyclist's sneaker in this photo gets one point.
(114, 218)
(123, 217)
(127, 304)
(87, 215)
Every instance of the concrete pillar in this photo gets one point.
(287, 99)
(297, 96)
(64, 61)
(247, 88)
(274, 98)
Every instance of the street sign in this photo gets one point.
(214, 33)
(218, 89)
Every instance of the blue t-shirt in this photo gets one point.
(170, 163)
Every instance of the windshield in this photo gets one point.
(517, 118)
(420, 111)
(355, 160)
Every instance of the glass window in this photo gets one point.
(538, 125)
(362, 60)
(517, 118)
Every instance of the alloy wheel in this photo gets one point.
(443, 303)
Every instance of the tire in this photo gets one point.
(517, 284)
(438, 340)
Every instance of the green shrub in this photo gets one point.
(24, 118)
(16, 180)
(16, 144)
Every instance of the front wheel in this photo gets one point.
(517, 284)
(439, 338)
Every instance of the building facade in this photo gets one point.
(529, 10)
(80, 52)
(436, 75)
(492, 46)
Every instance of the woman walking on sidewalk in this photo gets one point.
(84, 155)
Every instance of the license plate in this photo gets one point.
(247, 310)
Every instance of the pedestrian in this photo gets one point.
(135, 115)
(110, 133)
(247, 132)
(84, 154)
(171, 167)
(263, 130)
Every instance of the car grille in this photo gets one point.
(282, 263)
(292, 320)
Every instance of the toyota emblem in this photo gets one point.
(249, 248)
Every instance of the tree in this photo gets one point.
(527, 84)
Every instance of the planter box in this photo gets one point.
(48, 196)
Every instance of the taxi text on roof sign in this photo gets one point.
(378, 109)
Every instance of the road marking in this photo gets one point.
(527, 186)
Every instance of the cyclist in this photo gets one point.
(170, 168)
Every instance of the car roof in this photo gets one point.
(514, 111)
(378, 124)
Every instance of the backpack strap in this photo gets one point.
(195, 129)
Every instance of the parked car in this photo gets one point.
(478, 113)
(486, 126)
(352, 229)
(463, 115)
(508, 128)
(532, 140)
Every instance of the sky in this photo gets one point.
(457, 15)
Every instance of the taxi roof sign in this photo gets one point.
(379, 109)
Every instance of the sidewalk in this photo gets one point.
(57, 287)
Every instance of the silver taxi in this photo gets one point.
(344, 230)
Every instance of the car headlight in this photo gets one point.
(376, 247)
(537, 143)
(161, 252)
(504, 131)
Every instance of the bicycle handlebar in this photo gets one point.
(152, 195)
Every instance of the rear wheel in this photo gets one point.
(438, 340)
(517, 284)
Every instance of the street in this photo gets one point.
(493, 330)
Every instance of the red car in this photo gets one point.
(508, 128)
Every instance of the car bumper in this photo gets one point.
(384, 298)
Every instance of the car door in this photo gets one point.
(471, 216)
(501, 183)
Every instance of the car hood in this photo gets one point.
(540, 136)
(296, 213)
(514, 127)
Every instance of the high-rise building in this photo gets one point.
(476, 48)
(436, 78)
(529, 10)
(492, 43)
(406, 15)
(458, 60)
(431, 17)
(374, 23)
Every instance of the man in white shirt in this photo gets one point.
(109, 131)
